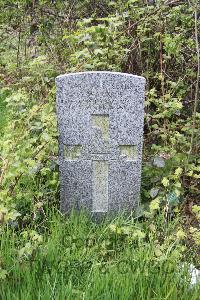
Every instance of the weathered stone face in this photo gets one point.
(100, 119)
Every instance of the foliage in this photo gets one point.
(156, 41)
(28, 145)
(41, 39)
(3, 109)
(77, 258)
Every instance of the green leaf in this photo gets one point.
(3, 274)
(155, 204)
(165, 182)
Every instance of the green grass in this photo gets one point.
(79, 259)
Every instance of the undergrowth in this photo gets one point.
(44, 255)
(158, 41)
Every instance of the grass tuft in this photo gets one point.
(74, 258)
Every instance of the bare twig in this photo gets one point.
(162, 71)
(141, 20)
(197, 82)
(18, 46)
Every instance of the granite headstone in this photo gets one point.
(100, 119)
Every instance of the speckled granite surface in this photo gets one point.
(100, 118)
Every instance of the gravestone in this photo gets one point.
(100, 119)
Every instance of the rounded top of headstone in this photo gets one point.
(105, 73)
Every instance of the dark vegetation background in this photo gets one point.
(156, 39)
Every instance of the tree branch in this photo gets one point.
(197, 82)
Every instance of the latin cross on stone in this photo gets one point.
(100, 121)
(100, 142)
(100, 155)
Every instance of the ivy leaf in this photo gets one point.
(155, 204)
(13, 215)
(138, 234)
(158, 251)
(3, 274)
(165, 182)
(113, 227)
(45, 137)
(98, 51)
(178, 171)
(126, 230)
(180, 234)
